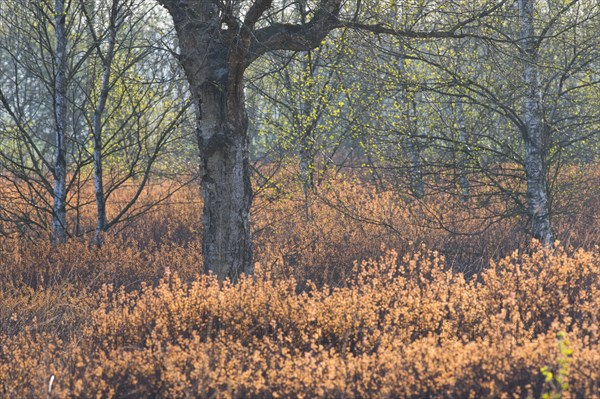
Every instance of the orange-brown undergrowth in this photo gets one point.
(136, 319)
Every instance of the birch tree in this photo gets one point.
(115, 22)
(59, 222)
(525, 81)
(116, 30)
(534, 132)
(90, 108)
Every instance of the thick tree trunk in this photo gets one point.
(59, 220)
(535, 148)
(215, 75)
(225, 179)
(217, 44)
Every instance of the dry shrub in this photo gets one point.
(48, 288)
(347, 220)
(318, 319)
(399, 328)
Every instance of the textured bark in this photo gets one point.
(59, 222)
(225, 174)
(217, 45)
(215, 75)
(226, 188)
(535, 148)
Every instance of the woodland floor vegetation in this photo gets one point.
(353, 296)
(299, 199)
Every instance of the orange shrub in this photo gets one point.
(354, 296)
(408, 328)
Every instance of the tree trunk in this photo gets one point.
(463, 179)
(307, 159)
(215, 75)
(217, 44)
(59, 219)
(307, 168)
(225, 178)
(409, 111)
(306, 136)
(417, 185)
(101, 219)
(535, 149)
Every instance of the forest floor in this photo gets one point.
(357, 293)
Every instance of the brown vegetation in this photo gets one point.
(318, 319)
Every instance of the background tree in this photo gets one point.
(123, 114)
(59, 222)
(476, 109)
(300, 102)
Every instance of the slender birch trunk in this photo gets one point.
(417, 185)
(307, 168)
(107, 59)
(535, 151)
(59, 222)
(307, 161)
(408, 106)
(306, 135)
(463, 179)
